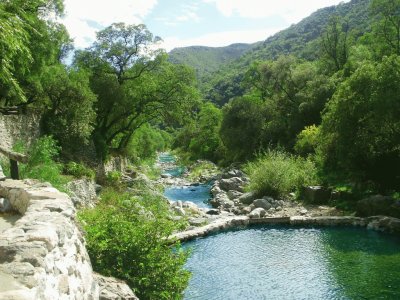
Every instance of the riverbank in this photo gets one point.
(233, 207)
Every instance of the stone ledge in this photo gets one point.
(380, 223)
(44, 254)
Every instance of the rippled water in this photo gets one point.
(197, 194)
(295, 263)
(166, 158)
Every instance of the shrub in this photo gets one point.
(277, 173)
(307, 140)
(127, 238)
(79, 170)
(42, 164)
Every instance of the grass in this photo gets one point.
(276, 174)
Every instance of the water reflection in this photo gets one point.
(295, 263)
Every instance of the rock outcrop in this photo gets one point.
(43, 256)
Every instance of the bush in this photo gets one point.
(307, 140)
(42, 164)
(276, 174)
(126, 238)
(79, 170)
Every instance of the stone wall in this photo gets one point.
(44, 253)
(43, 256)
(14, 128)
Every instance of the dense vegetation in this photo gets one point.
(331, 94)
(318, 103)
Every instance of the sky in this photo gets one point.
(182, 23)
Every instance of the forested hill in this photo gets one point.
(206, 60)
(301, 39)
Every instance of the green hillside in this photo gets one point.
(206, 60)
(301, 40)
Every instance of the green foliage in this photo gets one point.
(277, 174)
(30, 40)
(134, 85)
(307, 140)
(386, 28)
(42, 163)
(206, 60)
(70, 114)
(127, 238)
(241, 128)
(79, 170)
(360, 130)
(199, 139)
(145, 143)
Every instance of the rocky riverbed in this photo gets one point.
(228, 199)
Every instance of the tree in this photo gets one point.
(360, 132)
(30, 40)
(387, 25)
(335, 42)
(69, 107)
(206, 143)
(134, 84)
(242, 127)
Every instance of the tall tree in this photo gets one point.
(30, 40)
(387, 25)
(335, 42)
(134, 84)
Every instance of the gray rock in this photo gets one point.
(233, 194)
(165, 175)
(378, 205)
(247, 198)
(246, 210)
(2, 176)
(198, 221)
(5, 205)
(303, 212)
(114, 289)
(263, 203)
(257, 213)
(212, 212)
(234, 183)
(232, 173)
(83, 192)
(316, 194)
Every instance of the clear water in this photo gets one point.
(295, 263)
(197, 194)
(166, 158)
(175, 172)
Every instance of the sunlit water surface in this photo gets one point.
(295, 263)
(197, 194)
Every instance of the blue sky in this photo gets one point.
(190, 22)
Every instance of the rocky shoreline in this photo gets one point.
(235, 208)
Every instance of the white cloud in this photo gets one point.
(104, 13)
(220, 39)
(291, 11)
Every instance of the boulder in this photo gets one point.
(247, 198)
(83, 192)
(233, 194)
(257, 213)
(378, 205)
(232, 173)
(316, 194)
(263, 203)
(5, 205)
(113, 289)
(234, 183)
(2, 176)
